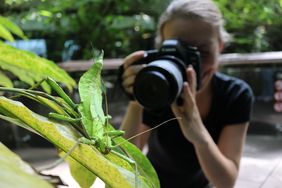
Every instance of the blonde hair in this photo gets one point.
(205, 10)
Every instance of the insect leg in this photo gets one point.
(130, 161)
(114, 134)
(61, 92)
(63, 118)
(59, 161)
(38, 84)
(75, 122)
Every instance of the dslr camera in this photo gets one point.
(160, 82)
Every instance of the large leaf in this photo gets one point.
(4, 33)
(143, 164)
(31, 68)
(26, 66)
(84, 177)
(113, 170)
(16, 173)
(11, 27)
(4, 80)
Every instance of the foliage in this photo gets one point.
(15, 172)
(25, 65)
(115, 26)
(120, 27)
(30, 68)
(6, 26)
(102, 156)
(252, 24)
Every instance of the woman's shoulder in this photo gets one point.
(229, 89)
(234, 96)
(227, 83)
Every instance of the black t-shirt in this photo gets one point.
(172, 155)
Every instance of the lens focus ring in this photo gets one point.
(158, 85)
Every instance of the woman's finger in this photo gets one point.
(135, 56)
(131, 70)
(187, 95)
(129, 90)
(191, 79)
(129, 81)
(176, 109)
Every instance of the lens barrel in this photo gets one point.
(158, 84)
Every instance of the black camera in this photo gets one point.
(160, 83)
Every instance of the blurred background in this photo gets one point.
(68, 31)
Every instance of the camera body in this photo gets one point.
(160, 83)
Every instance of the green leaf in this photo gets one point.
(4, 80)
(16, 173)
(12, 27)
(4, 33)
(46, 87)
(17, 122)
(113, 170)
(51, 104)
(31, 68)
(82, 175)
(45, 13)
(142, 21)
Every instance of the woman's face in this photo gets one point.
(201, 35)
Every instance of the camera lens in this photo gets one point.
(157, 85)
(152, 89)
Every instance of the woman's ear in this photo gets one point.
(221, 46)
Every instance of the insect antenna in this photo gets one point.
(139, 134)
(106, 109)
(106, 101)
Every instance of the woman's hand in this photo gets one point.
(190, 123)
(130, 71)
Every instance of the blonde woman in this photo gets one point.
(204, 147)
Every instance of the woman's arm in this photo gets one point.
(132, 125)
(220, 163)
(131, 120)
